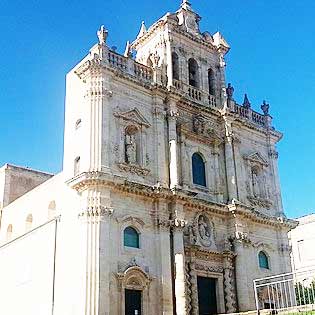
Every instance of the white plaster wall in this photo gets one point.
(70, 269)
(302, 240)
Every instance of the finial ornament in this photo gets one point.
(102, 34)
(128, 50)
(246, 102)
(186, 4)
(143, 30)
(265, 108)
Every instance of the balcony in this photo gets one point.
(195, 94)
(249, 114)
(130, 66)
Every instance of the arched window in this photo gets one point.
(198, 170)
(131, 237)
(193, 73)
(132, 145)
(263, 260)
(28, 222)
(9, 232)
(175, 66)
(211, 82)
(77, 165)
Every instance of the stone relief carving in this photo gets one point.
(201, 267)
(134, 169)
(257, 188)
(198, 124)
(201, 233)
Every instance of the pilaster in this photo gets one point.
(166, 270)
(95, 220)
(230, 162)
(161, 165)
(173, 145)
(178, 225)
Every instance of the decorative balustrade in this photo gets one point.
(251, 115)
(117, 60)
(195, 94)
(206, 99)
(130, 66)
(143, 72)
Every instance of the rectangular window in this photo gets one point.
(207, 297)
(133, 302)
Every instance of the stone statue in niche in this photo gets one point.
(205, 232)
(258, 183)
(198, 124)
(255, 183)
(131, 146)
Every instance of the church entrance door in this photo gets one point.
(207, 298)
(133, 302)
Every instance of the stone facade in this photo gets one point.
(302, 242)
(132, 130)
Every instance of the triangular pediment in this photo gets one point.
(256, 157)
(134, 116)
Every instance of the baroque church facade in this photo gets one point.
(169, 200)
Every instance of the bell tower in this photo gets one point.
(190, 61)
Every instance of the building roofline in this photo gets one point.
(25, 168)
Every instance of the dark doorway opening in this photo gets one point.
(207, 298)
(133, 302)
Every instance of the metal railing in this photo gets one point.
(288, 293)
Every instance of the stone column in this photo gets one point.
(179, 260)
(216, 169)
(93, 218)
(185, 166)
(229, 162)
(193, 287)
(104, 263)
(166, 270)
(222, 85)
(97, 121)
(229, 289)
(169, 62)
(172, 134)
(161, 165)
(273, 159)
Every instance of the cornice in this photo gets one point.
(91, 179)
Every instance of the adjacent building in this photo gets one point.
(169, 199)
(302, 240)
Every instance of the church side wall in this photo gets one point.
(44, 203)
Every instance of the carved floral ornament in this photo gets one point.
(203, 130)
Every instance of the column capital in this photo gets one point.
(96, 212)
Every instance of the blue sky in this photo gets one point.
(272, 57)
